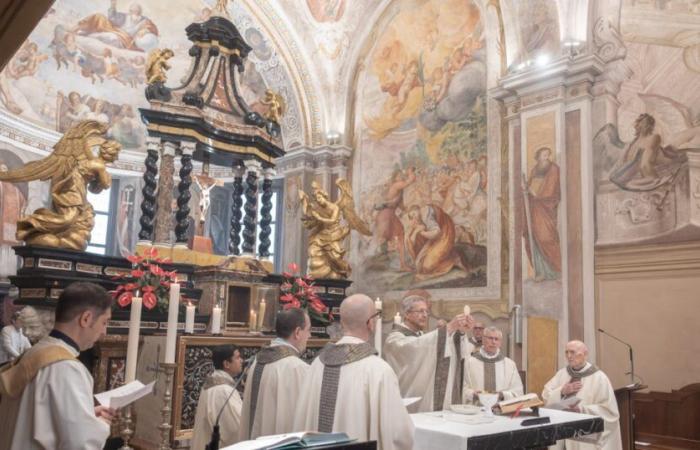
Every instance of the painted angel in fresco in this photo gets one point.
(73, 168)
(322, 218)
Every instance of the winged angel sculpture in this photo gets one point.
(327, 234)
(73, 168)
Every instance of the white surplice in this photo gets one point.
(508, 379)
(368, 404)
(211, 401)
(598, 399)
(56, 409)
(278, 396)
(13, 343)
(414, 359)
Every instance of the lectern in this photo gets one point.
(624, 399)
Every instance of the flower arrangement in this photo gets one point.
(148, 277)
(298, 292)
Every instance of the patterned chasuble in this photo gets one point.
(489, 370)
(333, 357)
(576, 376)
(266, 355)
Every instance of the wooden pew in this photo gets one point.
(668, 419)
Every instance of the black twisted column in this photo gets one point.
(148, 192)
(236, 213)
(183, 199)
(251, 208)
(265, 216)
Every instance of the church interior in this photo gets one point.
(531, 160)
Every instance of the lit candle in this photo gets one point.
(171, 336)
(397, 319)
(261, 313)
(253, 321)
(132, 348)
(189, 319)
(378, 328)
(216, 320)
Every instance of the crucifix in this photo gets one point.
(205, 183)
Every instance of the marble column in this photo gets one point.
(250, 219)
(184, 195)
(265, 216)
(148, 204)
(164, 201)
(236, 213)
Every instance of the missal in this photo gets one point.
(531, 400)
(291, 441)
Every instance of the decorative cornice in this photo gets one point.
(647, 258)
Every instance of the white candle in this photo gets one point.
(253, 321)
(171, 336)
(261, 313)
(467, 310)
(132, 348)
(378, 328)
(189, 319)
(216, 320)
(397, 319)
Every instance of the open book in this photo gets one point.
(292, 441)
(524, 401)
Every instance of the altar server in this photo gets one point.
(47, 393)
(276, 378)
(217, 396)
(14, 342)
(488, 370)
(428, 365)
(351, 390)
(582, 379)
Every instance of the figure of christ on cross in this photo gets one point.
(205, 183)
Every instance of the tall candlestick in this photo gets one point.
(253, 320)
(132, 348)
(173, 309)
(189, 319)
(397, 319)
(378, 328)
(261, 313)
(216, 320)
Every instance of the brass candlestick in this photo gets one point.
(126, 432)
(166, 411)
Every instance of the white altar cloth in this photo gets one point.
(442, 430)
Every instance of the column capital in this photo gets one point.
(269, 172)
(153, 143)
(253, 165)
(188, 147)
(169, 148)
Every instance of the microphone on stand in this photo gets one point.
(631, 354)
(215, 434)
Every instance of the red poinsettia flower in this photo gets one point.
(287, 275)
(293, 304)
(157, 270)
(151, 252)
(301, 283)
(286, 286)
(137, 273)
(134, 259)
(293, 267)
(288, 298)
(125, 299)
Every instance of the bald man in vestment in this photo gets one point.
(351, 390)
(428, 364)
(585, 381)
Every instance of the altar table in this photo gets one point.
(447, 430)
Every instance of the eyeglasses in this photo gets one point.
(377, 314)
(418, 311)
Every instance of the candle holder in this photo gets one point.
(166, 411)
(126, 432)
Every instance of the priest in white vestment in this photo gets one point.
(597, 397)
(428, 365)
(13, 342)
(47, 394)
(276, 378)
(477, 336)
(218, 396)
(351, 390)
(488, 370)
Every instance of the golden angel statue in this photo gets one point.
(275, 104)
(327, 234)
(73, 168)
(157, 65)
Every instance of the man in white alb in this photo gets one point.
(46, 394)
(428, 365)
(585, 381)
(477, 336)
(218, 396)
(351, 390)
(276, 378)
(488, 370)
(14, 342)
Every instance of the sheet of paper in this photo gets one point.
(565, 404)
(124, 395)
(408, 401)
(266, 441)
